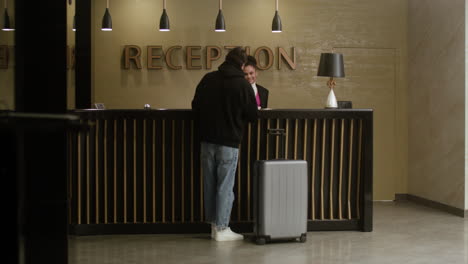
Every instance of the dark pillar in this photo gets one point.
(10, 215)
(40, 87)
(83, 54)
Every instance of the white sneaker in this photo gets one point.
(227, 235)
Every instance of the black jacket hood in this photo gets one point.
(228, 69)
(223, 103)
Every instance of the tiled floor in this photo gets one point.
(403, 233)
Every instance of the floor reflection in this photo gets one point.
(403, 233)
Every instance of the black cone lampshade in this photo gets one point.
(220, 24)
(276, 26)
(107, 21)
(164, 21)
(74, 23)
(6, 20)
(331, 65)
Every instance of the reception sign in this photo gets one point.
(197, 57)
(193, 57)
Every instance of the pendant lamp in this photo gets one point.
(276, 26)
(220, 25)
(6, 20)
(164, 21)
(107, 20)
(74, 23)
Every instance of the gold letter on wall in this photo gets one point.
(169, 58)
(283, 55)
(151, 57)
(209, 54)
(3, 57)
(230, 47)
(135, 57)
(269, 57)
(191, 57)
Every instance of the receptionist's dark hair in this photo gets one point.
(251, 61)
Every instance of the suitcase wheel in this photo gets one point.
(303, 238)
(260, 241)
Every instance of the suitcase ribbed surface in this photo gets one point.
(282, 194)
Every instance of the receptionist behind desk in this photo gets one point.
(261, 93)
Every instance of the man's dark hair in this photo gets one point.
(237, 56)
(251, 61)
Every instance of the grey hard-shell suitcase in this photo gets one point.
(280, 198)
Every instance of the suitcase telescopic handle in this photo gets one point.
(281, 133)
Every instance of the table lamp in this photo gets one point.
(331, 65)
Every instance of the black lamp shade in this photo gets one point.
(6, 21)
(331, 65)
(220, 25)
(74, 23)
(276, 25)
(107, 21)
(164, 21)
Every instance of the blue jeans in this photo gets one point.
(219, 165)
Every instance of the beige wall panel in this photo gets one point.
(7, 76)
(466, 108)
(370, 83)
(70, 66)
(436, 93)
(312, 27)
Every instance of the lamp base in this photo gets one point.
(331, 100)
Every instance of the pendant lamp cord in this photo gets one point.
(107, 4)
(220, 4)
(277, 5)
(164, 4)
(6, 4)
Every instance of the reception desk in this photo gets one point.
(138, 171)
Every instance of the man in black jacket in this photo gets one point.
(224, 102)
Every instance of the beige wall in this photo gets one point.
(370, 33)
(466, 108)
(7, 95)
(437, 100)
(71, 46)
